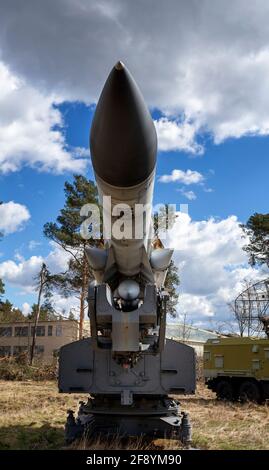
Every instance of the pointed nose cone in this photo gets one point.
(123, 139)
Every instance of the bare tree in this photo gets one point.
(240, 319)
(224, 326)
(186, 327)
(43, 279)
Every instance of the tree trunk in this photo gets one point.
(42, 280)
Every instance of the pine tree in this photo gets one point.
(171, 284)
(172, 281)
(10, 314)
(2, 289)
(257, 229)
(66, 233)
(71, 316)
(46, 312)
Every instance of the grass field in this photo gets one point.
(32, 416)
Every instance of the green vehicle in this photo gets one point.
(237, 368)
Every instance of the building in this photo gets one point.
(17, 337)
(195, 337)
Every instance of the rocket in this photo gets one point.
(123, 145)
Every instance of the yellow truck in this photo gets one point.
(237, 368)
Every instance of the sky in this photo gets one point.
(202, 67)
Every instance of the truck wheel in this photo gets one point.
(249, 391)
(224, 390)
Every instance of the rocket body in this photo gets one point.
(123, 146)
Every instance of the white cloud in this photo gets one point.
(26, 308)
(18, 256)
(33, 244)
(189, 194)
(22, 272)
(198, 306)
(212, 265)
(173, 135)
(63, 305)
(12, 216)
(202, 61)
(208, 190)
(81, 152)
(31, 129)
(186, 177)
(57, 260)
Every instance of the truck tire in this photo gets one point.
(224, 390)
(249, 391)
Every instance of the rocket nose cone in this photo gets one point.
(123, 139)
(119, 65)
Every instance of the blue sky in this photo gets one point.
(209, 103)
(236, 171)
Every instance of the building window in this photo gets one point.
(58, 330)
(6, 331)
(50, 330)
(255, 364)
(40, 331)
(39, 349)
(19, 350)
(219, 362)
(207, 355)
(266, 353)
(5, 351)
(21, 330)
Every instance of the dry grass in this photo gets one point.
(221, 425)
(32, 416)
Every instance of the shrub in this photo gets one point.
(18, 368)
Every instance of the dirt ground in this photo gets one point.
(32, 416)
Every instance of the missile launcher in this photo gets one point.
(127, 365)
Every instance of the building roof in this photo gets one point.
(176, 331)
(238, 340)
